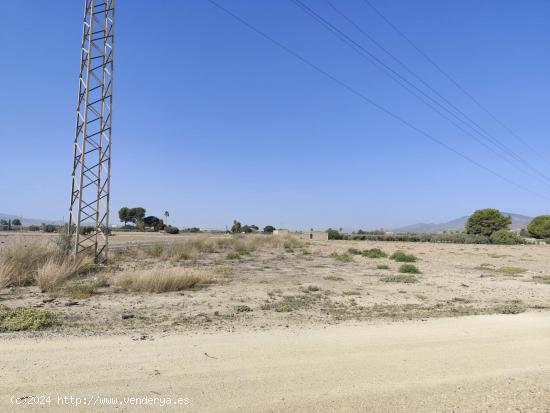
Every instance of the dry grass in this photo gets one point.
(160, 280)
(19, 262)
(57, 270)
(232, 244)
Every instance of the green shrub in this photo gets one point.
(539, 227)
(171, 230)
(22, 318)
(374, 253)
(505, 237)
(409, 268)
(382, 267)
(334, 234)
(401, 256)
(243, 308)
(48, 228)
(33, 228)
(487, 221)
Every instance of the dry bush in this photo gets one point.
(20, 261)
(159, 280)
(57, 270)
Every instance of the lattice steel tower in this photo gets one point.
(91, 177)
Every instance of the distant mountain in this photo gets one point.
(518, 222)
(29, 221)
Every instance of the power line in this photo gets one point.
(454, 82)
(501, 145)
(370, 101)
(390, 72)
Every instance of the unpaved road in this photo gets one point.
(469, 364)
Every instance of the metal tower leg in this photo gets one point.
(91, 175)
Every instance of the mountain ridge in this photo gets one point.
(518, 222)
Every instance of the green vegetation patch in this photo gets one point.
(401, 278)
(24, 318)
(409, 268)
(401, 256)
(382, 267)
(374, 253)
(511, 270)
(243, 308)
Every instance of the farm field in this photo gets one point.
(261, 282)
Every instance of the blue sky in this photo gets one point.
(212, 122)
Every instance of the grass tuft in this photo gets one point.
(511, 270)
(382, 267)
(402, 278)
(20, 261)
(401, 256)
(56, 271)
(409, 268)
(160, 280)
(374, 253)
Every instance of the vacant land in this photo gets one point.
(223, 282)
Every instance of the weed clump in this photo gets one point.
(374, 253)
(401, 278)
(23, 318)
(409, 268)
(382, 267)
(401, 256)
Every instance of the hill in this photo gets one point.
(518, 222)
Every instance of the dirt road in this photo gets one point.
(479, 363)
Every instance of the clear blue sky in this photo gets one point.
(212, 122)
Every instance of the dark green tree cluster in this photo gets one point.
(486, 222)
(539, 227)
(238, 228)
(133, 215)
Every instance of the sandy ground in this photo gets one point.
(492, 363)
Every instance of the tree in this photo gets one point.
(153, 222)
(268, 229)
(166, 215)
(486, 221)
(16, 222)
(237, 227)
(334, 234)
(137, 214)
(539, 226)
(124, 215)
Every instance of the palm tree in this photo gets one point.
(166, 215)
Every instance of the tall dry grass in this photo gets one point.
(160, 280)
(20, 260)
(240, 244)
(56, 271)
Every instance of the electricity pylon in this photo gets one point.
(91, 176)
